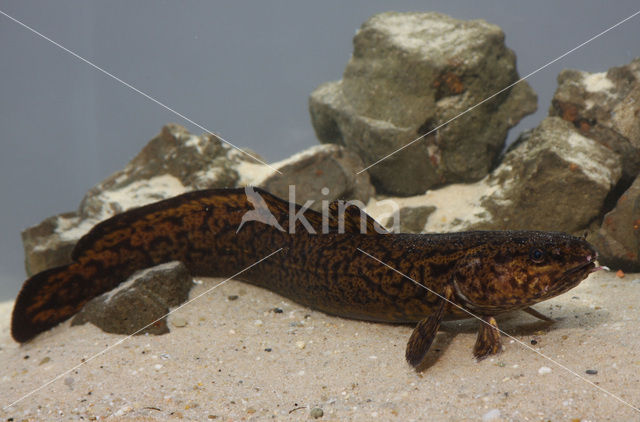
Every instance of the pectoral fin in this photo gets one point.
(426, 330)
(488, 341)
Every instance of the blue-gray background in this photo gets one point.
(243, 69)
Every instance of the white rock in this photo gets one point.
(544, 370)
(491, 415)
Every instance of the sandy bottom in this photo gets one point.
(241, 360)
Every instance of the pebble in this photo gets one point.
(300, 344)
(591, 371)
(491, 415)
(544, 370)
(68, 382)
(123, 410)
(179, 322)
(316, 413)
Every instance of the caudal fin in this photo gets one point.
(48, 298)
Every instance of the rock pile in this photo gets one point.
(606, 108)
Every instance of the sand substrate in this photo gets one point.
(259, 357)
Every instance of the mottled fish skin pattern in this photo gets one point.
(486, 273)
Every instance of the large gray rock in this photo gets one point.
(605, 107)
(555, 180)
(618, 239)
(410, 73)
(173, 162)
(145, 298)
(321, 173)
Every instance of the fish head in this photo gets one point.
(513, 270)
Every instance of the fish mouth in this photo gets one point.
(589, 265)
(573, 276)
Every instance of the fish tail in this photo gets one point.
(52, 296)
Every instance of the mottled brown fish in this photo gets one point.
(326, 263)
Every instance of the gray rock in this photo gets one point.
(410, 73)
(604, 107)
(618, 239)
(556, 180)
(145, 298)
(46, 246)
(411, 219)
(329, 167)
(172, 163)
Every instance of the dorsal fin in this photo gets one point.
(354, 219)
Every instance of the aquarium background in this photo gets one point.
(241, 69)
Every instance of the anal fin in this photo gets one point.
(425, 332)
(488, 341)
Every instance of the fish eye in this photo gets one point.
(536, 255)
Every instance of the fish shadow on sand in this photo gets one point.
(517, 324)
